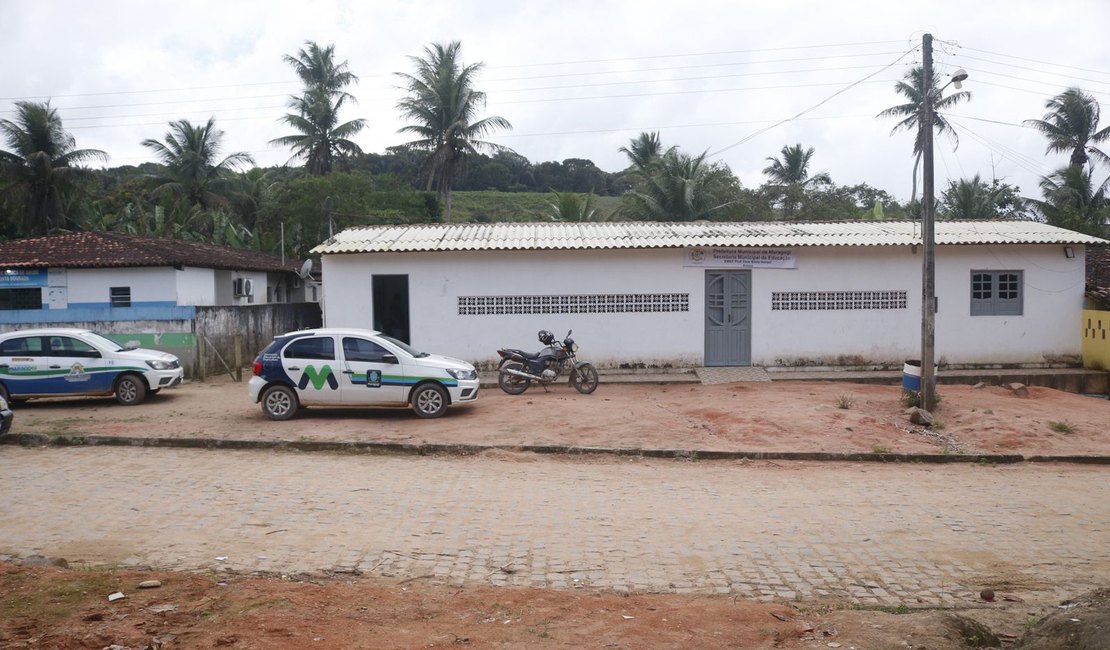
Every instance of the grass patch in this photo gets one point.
(56, 603)
(913, 398)
(1062, 427)
(879, 449)
(845, 402)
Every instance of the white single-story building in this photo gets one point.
(106, 276)
(715, 294)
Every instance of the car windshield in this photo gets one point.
(404, 346)
(105, 342)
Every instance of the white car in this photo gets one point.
(60, 362)
(356, 367)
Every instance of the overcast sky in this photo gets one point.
(580, 78)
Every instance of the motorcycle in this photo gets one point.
(518, 369)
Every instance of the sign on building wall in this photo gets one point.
(18, 278)
(740, 258)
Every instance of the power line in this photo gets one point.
(675, 56)
(1022, 67)
(815, 106)
(691, 92)
(157, 90)
(693, 67)
(179, 101)
(1020, 58)
(505, 67)
(673, 126)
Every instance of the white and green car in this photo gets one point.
(356, 367)
(62, 362)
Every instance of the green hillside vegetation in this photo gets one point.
(490, 206)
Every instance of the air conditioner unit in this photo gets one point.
(243, 287)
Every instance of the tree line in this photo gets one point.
(197, 191)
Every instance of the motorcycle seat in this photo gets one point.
(527, 355)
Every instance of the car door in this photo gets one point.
(372, 374)
(82, 367)
(311, 364)
(25, 367)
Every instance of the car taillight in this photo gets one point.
(257, 368)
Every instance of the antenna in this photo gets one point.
(306, 268)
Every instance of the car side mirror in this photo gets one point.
(389, 358)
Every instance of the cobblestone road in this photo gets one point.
(878, 534)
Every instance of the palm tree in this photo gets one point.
(193, 169)
(318, 70)
(790, 175)
(444, 105)
(569, 206)
(41, 165)
(1073, 201)
(970, 199)
(1071, 124)
(682, 188)
(913, 88)
(320, 139)
(644, 150)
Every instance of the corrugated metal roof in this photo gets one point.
(638, 234)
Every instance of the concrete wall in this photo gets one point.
(256, 326)
(1044, 333)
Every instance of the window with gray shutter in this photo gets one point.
(997, 293)
(120, 296)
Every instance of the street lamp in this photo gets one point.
(928, 239)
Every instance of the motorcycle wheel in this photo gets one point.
(584, 379)
(512, 384)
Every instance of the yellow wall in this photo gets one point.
(1096, 339)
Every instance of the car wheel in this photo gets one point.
(130, 390)
(429, 400)
(279, 402)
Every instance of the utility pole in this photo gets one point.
(928, 240)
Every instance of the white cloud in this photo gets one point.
(127, 49)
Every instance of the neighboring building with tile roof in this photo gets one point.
(1098, 277)
(90, 277)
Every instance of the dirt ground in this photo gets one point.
(745, 417)
(51, 607)
(54, 608)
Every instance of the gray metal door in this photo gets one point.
(728, 311)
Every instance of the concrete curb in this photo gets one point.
(398, 448)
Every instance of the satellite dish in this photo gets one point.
(306, 268)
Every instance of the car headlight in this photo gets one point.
(463, 374)
(162, 365)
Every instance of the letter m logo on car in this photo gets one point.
(318, 379)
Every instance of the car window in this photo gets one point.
(65, 346)
(363, 350)
(315, 347)
(22, 346)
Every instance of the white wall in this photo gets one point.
(148, 284)
(437, 280)
(196, 286)
(1053, 297)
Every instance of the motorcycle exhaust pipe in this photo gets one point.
(524, 375)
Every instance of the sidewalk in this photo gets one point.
(715, 413)
(1072, 380)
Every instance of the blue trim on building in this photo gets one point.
(134, 304)
(82, 312)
